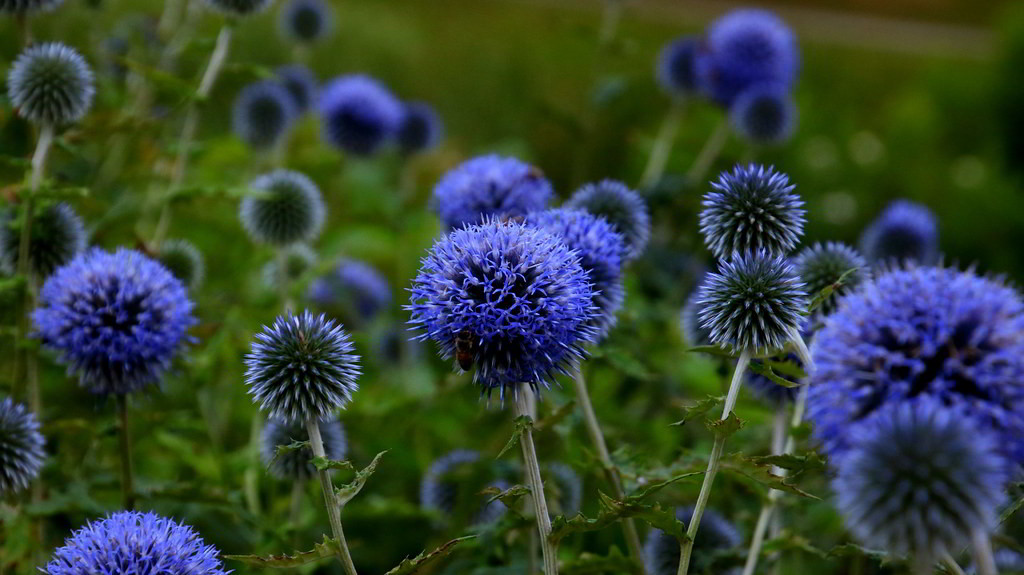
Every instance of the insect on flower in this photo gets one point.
(465, 349)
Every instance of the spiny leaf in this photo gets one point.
(1013, 508)
(854, 550)
(328, 548)
(522, 423)
(322, 463)
(763, 475)
(725, 427)
(283, 450)
(713, 350)
(826, 292)
(350, 490)
(766, 369)
(796, 464)
(508, 497)
(790, 541)
(414, 565)
(700, 409)
(591, 564)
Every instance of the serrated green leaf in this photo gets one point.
(854, 550)
(826, 292)
(591, 564)
(521, 424)
(762, 475)
(350, 490)
(283, 450)
(328, 548)
(790, 541)
(700, 409)
(713, 350)
(414, 565)
(508, 497)
(322, 463)
(1011, 510)
(725, 427)
(796, 464)
(766, 369)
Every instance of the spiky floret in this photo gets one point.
(353, 290)
(661, 551)
(675, 68)
(905, 231)
(184, 260)
(624, 209)
(420, 128)
(24, 6)
(132, 542)
(306, 21)
(21, 447)
(919, 479)
(359, 115)
(490, 186)
(238, 7)
(263, 113)
(753, 207)
(302, 367)
(298, 464)
(51, 84)
(567, 490)
(115, 319)
(695, 334)
(824, 265)
(301, 85)
(57, 235)
(753, 302)
(764, 114)
(600, 249)
(297, 260)
(452, 484)
(519, 295)
(285, 208)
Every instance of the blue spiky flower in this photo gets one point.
(624, 209)
(183, 259)
(301, 85)
(716, 534)
(358, 114)
(600, 249)
(115, 319)
(129, 542)
(753, 302)
(905, 231)
(57, 235)
(296, 260)
(306, 21)
(515, 296)
(452, 484)
(298, 465)
(490, 186)
(354, 291)
(675, 69)
(285, 208)
(751, 208)
(21, 447)
(263, 114)
(51, 84)
(764, 114)
(23, 6)
(920, 478)
(238, 7)
(302, 367)
(420, 129)
(824, 265)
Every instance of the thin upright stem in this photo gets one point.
(283, 287)
(662, 148)
(124, 431)
(251, 477)
(951, 565)
(610, 19)
(295, 511)
(981, 547)
(536, 485)
(764, 520)
(316, 443)
(24, 30)
(712, 148)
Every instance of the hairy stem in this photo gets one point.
(712, 148)
(981, 547)
(662, 148)
(316, 443)
(536, 485)
(124, 432)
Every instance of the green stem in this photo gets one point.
(316, 443)
(712, 148)
(610, 19)
(536, 485)
(951, 565)
(764, 520)
(24, 30)
(981, 546)
(251, 477)
(662, 148)
(283, 287)
(124, 432)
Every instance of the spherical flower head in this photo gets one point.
(263, 113)
(921, 332)
(57, 235)
(824, 265)
(751, 208)
(452, 484)
(695, 334)
(183, 259)
(306, 21)
(420, 129)
(51, 85)
(764, 114)
(133, 542)
(301, 85)
(238, 7)
(507, 298)
(298, 465)
(744, 48)
(624, 209)
(919, 479)
(21, 447)
(716, 534)
(675, 68)
(600, 250)
(297, 260)
(567, 490)
(354, 290)
(285, 208)
(490, 186)
(302, 367)
(26, 6)
(115, 319)
(904, 232)
(359, 115)
(753, 302)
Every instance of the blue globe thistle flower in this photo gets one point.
(21, 447)
(675, 70)
(600, 250)
(753, 302)
(263, 113)
(905, 231)
(764, 114)
(452, 484)
(490, 186)
(298, 465)
(287, 208)
(132, 542)
(508, 298)
(420, 129)
(115, 319)
(57, 235)
(23, 6)
(751, 208)
(359, 115)
(183, 259)
(823, 265)
(695, 334)
(298, 259)
(624, 209)
(50, 84)
(743, 48)
(354, 290)
(301, 85)
(306, 21)
(567, 490)
(716, 534)
(238, 7)
(919, 479)
(915, 333)
(302, 367)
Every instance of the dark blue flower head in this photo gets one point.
(306, 21)
(21, 447)
(420, 129)
(301, 85)
(823, 265)
(716, 534)
(675, 67)
(624, 209)
(263, 114)
(566, 490)
(354, 291)
(285, 208)
(751, 208)
(507, 298)
(921, 332)
(57, 235)
(238, 7)
(23, 6)
(51, 84)
(302, 367)
(600, 249)
(490, 186)
(452, 484)
(183, 259)
(764, 114)
(132, 542)
(116, 319)
(905, 231)
(298, 465)
(359, 115)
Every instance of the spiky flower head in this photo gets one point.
(566, 490)
(115, 319)
(57, 235)
(284, 208)
(132, 542)
(921, 332)
(21, 447)
(695, 334)
(919, 480)
(183, 259)
(263, 114)
(359, 115)
(624, 209)
(238, 7)
(751, 208)
(452, 484)
(296, 260)
(354, 291)
(302, 367)
(513, 299)
(51, 84)
(600, 250)
(675, 69)
(716, 534)
(25, 6)
(306, 21)
(824, 265)
(764, 114)
(420, 129)
(905, 231)
(297, 465)
(301, 85)
(490, 186)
